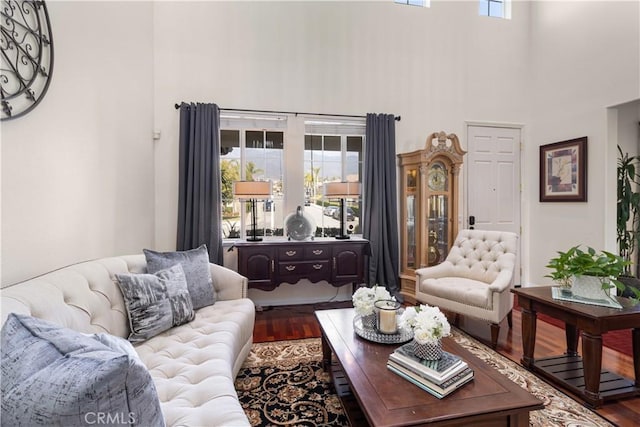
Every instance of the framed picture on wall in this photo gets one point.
(563, 171)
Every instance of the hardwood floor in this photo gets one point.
(297, 322)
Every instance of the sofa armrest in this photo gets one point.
(228, 284)
(502, 282)
(444, 269)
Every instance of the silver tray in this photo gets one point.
(402, 336)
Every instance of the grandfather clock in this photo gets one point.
(429, 206)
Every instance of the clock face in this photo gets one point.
(437, 179)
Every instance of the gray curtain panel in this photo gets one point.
(199, 196)
(380, 208)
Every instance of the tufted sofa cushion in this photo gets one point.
(83, 297)
(193, 365)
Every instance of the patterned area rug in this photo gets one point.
(282, 383)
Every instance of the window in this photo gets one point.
(272, 148)
(251, 154)
(422, 3)
(495, 8)
(332, 152)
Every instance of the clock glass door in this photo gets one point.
(410, 209)
(438, 228)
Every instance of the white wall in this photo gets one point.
(81, 177)
(585, 58)
(77, 171)
(436, 67)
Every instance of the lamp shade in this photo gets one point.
(252, 189)
(342, 189)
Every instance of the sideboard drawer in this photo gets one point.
(304, 268)
(290, 254)
(317, 252)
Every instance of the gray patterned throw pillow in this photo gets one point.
(56, 376)
(155, 302)
(195, 263)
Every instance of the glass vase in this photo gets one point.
(386, 311)
(369, 321)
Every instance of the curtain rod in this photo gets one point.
(397, 118)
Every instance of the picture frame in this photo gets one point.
(563, 171)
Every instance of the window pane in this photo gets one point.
(354, 159)
(312, 167)
(496, 9)
(331, 158)
(484, 7)
(254, 156)
(230, 172)
(264, 161)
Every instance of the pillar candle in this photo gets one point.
(387, 320)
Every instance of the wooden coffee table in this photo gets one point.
(386, 399)
(581, 375)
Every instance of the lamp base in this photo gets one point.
(342, 237)
(254, 239)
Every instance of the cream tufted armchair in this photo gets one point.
(475, 279)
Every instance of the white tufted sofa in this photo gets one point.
(475, 279)
(193, 365)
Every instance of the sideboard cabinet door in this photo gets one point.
(348, 265)
(258, 265)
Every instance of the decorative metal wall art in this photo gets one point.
(27, 56)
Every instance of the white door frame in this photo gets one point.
(463, 222)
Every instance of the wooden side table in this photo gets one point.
(581, 375)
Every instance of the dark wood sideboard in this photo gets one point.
(269, 263)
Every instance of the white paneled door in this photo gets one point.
(493, 179)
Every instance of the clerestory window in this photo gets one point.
(495, 8)
(422, 3)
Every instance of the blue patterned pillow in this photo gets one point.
(155, 302)
(195, 263)
(56, 376)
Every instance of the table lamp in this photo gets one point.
(342, 191)
(252, 191)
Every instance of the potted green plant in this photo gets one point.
(581, 270)
(628, 215)
(233, 232)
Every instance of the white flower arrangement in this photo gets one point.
(429, 324)
(364, 298)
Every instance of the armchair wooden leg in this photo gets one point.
(495, 332)
(510, 319)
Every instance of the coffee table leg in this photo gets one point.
(592, 365)
(635, 334)
(326, 354)
(528, 336)
(571, 334)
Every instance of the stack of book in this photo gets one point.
(438, 377)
